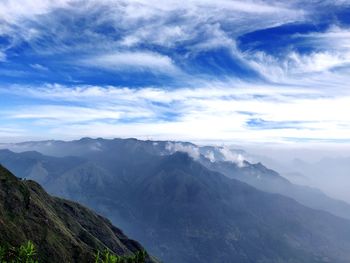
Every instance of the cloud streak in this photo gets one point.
(207, 113)
(50, 29)
(131, 61)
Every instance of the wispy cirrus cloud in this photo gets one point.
(335, 38)
(13, 12)
(223, 70)
(39, 67)
(212, 113)
(119, 61)
(152, 31)
(11, 132)
(2, 56)
(314, 59)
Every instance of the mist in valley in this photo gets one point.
(324, 167)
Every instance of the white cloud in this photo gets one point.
(202, 20)
(309, 88)
(333, 50)
(295, 68)
(319, 61)
(210, 156)
(2, 56)
(213, 113)
(327, 63)
(335, 38)
(131, 60)
(11, 132)
(61, 113)
(195, 151)
(191, 150)
(137, 22)
(65, 114)
(232, 156)
(13, 11)
(39, 67)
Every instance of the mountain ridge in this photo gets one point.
(222, 159)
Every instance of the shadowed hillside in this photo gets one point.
(62, 230)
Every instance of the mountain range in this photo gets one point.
(189, 203)
(35, 160)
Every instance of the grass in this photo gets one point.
(108, 257)
(27, 253)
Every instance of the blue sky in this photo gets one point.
(235, 71)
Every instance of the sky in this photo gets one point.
(257, 71)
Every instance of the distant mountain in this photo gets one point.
(198, 214)
(36, 166)
(63, 231)
(117, 156)
(171, 197)
(268, 180)
(93, 147)
(329, 174)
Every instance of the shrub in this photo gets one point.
(107, 257)
(24, 254)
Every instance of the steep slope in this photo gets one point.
(64, 231)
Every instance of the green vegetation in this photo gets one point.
(108, 257)
(26, 253)
(63, 231)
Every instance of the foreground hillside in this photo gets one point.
(63, 231)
